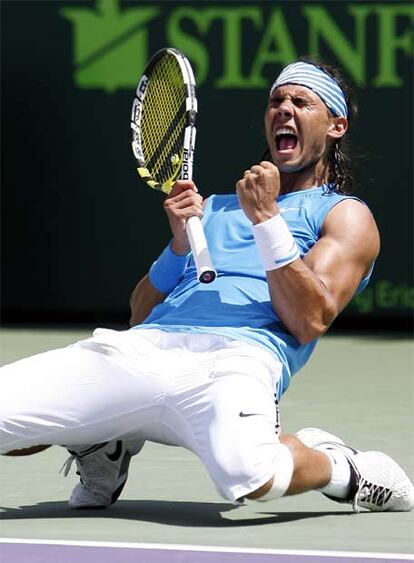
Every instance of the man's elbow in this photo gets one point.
(314, 325)
(306, 333)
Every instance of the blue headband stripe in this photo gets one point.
(327, 95)
(318, 81)
(331, 99)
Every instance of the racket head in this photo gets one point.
(163, 120)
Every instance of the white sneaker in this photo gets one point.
(103, 471)
(378, 483)
(312, 437)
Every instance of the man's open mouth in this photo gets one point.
(286, 139)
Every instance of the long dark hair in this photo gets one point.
(340, 177)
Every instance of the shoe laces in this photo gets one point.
(370, 493)
(66, 467)
(94, 468)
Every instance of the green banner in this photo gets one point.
(79, 228)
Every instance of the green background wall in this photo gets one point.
(79, 228)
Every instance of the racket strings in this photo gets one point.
(163, 120)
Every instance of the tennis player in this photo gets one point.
(203, 366)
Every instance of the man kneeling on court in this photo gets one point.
(202, 364)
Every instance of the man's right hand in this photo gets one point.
(183, 202)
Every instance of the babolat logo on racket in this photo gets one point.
(142, 85)
(136, 148)
(186, 167)
(136, 113)
(136, 131)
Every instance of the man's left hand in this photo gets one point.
(258, 191)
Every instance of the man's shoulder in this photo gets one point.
(323, 198)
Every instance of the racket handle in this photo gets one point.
(195, 232)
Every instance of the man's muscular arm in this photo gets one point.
(308, 293)
(143, 299)
(183, 202)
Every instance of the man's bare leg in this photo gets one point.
(27, 451)
(311, 470)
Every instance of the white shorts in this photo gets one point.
(209, 394)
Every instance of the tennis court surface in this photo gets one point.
(358, 387)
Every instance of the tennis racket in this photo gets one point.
(163, 137)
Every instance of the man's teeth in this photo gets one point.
(285, 131)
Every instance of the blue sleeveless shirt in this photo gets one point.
(237, 304)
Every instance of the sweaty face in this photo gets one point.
(297, 123)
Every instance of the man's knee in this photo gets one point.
(277, 486)
(263, 490)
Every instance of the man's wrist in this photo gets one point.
(275, 243)
(264, 215)
(166, 272)
(180, 249)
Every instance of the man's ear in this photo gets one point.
(338, 127)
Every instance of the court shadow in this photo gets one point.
(172, 513)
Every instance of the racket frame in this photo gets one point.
(194, 228)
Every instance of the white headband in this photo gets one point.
(316, 79)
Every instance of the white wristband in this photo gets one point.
(275, 243)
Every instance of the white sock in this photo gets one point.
(339, 485)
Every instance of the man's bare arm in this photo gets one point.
(143, 299)
(308, 294)
(182, 203)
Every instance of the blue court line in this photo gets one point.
(51, 551)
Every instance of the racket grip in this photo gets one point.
(195, 232)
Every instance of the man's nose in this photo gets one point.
(285, 109)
